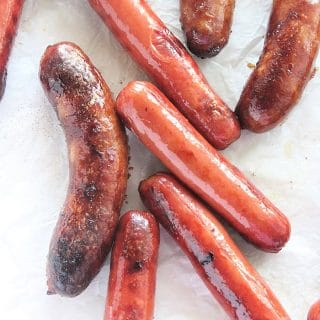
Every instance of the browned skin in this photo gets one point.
(207, 25)
(10, 11)
(132, 279)
(98, 160)
(285, 65)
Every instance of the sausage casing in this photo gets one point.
(314, 312)
(98, 161)
(10, 11)
(164, 130)
(207, 25)
(132, 279)
(165, 59)
(228, 275)
(285, 66)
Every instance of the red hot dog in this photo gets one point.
(285, 66)
(314, 312)
(132, 279)
(98, 160)
(165, 59)
(207, 25)
(164, 130)
(10, 11)
(231, 279)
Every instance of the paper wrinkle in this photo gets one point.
(284, 164)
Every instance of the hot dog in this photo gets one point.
(98, 160)
(165, 59)
(285, 66)
(207, 25)
(10, 11)
(314, 312)
(228, 275)
(163, 129)
(132, 279)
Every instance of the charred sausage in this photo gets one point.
(228, 275)
(285, 66)
(314, 312)
(163, 129)
(98, 159)
(165, 59)
(133, 268)
(207, 25)
(10, 11)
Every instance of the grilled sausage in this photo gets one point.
(132, 279)
(285, 65)
(165, 59)
(98, 159)
(228, 275)
(163, 129)
(10, 11)
(207, 25)
(314, 313)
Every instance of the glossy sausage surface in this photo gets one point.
(165, 59)
(285, 66)
(98, 157)
(132, 279)
(314, 312)
(10, 11)
(207, 25)
(163, 129)
(228, 275)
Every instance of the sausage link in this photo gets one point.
(207, 25)
(285, 66)
(228, 275)
(314, 312)
(132, 279)
(10, 11)
(163, 129)
(98, 161)
(165, 59)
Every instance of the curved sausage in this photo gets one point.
(285, 66)
(228, 275)
(165, 59)
(207, 25)
(10, 11)
(98, 160)
(163, 129)
(314, 312)
(132, 279)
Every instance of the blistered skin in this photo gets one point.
(98, 161)
(314, 312)
(166, 133)
(10, 11)
(207, 25)
(228, 275)
(166, 60)
(132, 279)
(285, 66)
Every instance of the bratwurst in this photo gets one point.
(98, 161)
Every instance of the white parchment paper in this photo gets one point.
(284, 164)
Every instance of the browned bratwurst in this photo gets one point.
(228, 275)
(10, 11)
(98, 160)
(207, 25)
(132, 279)
(285, 65)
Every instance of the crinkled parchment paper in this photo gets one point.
(284, 164)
